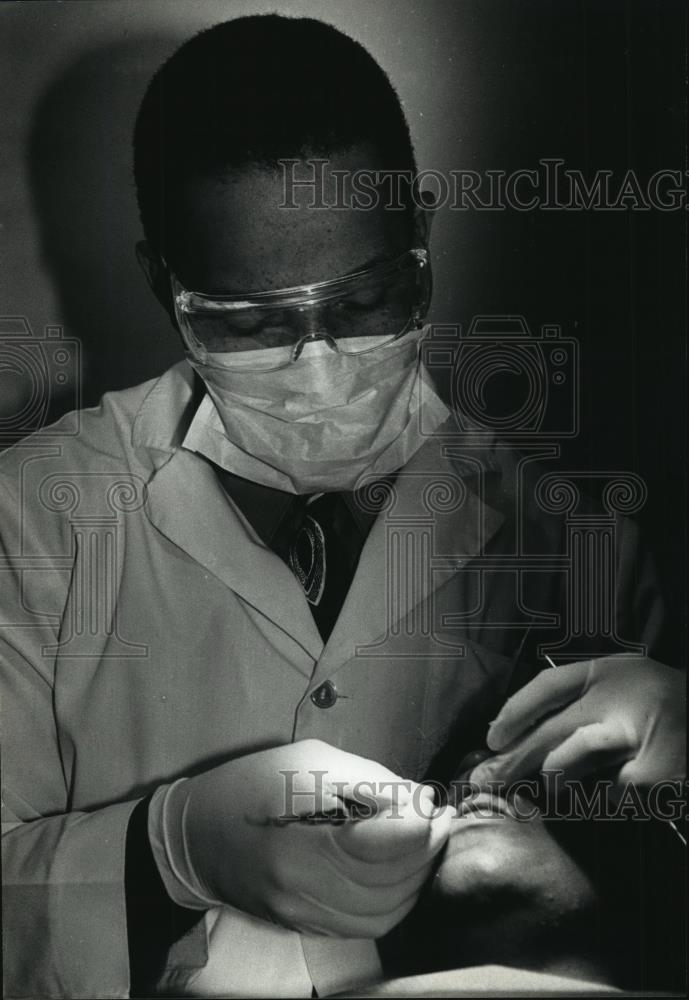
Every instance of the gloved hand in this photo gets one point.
(614, 712)
(357, 879)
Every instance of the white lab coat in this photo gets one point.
(146, 632)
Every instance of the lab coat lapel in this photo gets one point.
(436, 523)
(187, 505)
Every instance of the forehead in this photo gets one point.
(236, 233)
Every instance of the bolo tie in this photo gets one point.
(323, 554)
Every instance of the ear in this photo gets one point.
(153, 266)
(423, 217)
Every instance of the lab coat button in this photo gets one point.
(324, 696)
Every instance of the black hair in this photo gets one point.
(254, 90)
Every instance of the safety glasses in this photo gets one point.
(354, 314)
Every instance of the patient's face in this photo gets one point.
(505, 892)
(502, 850)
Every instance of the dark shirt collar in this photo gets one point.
(266, 508)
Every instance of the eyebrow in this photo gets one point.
(380, 258)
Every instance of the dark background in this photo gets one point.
(486, 85)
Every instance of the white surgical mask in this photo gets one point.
(320, 423)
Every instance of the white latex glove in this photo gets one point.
(614, 712)
(357, 879)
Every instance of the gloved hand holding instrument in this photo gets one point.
(223, 839)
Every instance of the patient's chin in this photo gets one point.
(505, 892)
(480, 872)
(515, 864)
(496, 898)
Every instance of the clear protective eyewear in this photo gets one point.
(354, 314)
